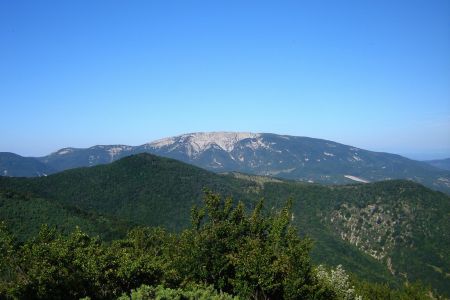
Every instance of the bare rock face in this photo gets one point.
(201, 141)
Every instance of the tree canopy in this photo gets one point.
(228, 252)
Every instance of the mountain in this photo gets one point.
(443, 164)
(143, 189)
(380, 231)
(298, 158)
(18, 166)
(69, 158)
(290, 157)
(401, 224)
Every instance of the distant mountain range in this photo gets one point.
(18, 166)
(443, 164)
(386, 231)
(290, 157)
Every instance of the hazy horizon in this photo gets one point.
(375, 75)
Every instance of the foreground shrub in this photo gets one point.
(146, 292)
(255, 255)
(338, 281)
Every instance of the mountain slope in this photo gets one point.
(24, 214)
(143, 189)
(18, 166)
(298, 158)
(150, 190)
(290, 157)
(443, 164)
(350, 224)
(400, 223)
(69, 158)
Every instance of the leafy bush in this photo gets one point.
(251, 255)
(146, 292)
(338, 281)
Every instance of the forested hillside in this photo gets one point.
(227, 253)
(384, 232)
(144, 189)
(25, 214)
(399, 223)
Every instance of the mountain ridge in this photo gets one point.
(290, 157)
(443, 164)
(15, 165)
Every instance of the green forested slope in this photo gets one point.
(24, 214)
(143, 189)
(349, 224)
(227, 253)
(403, 225)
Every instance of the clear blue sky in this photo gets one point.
(373, 74)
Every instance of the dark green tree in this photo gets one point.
(253, 255)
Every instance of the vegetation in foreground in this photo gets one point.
(382, 232)
(227, 253)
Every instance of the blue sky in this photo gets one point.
(373, 74)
